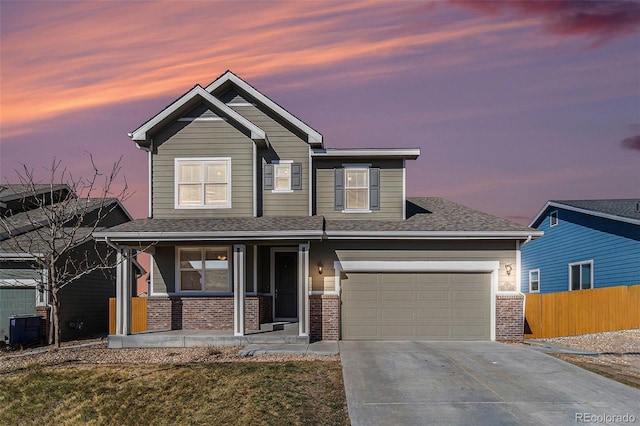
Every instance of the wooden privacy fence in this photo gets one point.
(138, 315)
(571, 313)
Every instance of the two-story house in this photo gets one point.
(253, 220)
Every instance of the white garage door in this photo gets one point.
(441, 306)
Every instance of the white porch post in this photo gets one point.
(303, 289)
(123, 291)
(238, 288)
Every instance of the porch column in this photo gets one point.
(238, 288)
(123, 291)
(303, 289)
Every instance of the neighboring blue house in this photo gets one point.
(586, 244)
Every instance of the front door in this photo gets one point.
(285, 283)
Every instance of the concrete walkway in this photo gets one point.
(479, 383)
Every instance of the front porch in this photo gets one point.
(272, 333)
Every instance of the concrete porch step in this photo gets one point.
(192, 340)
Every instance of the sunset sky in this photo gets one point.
(511, 103)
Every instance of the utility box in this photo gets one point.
(24, 329)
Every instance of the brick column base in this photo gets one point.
(510, 318)
(324, 317)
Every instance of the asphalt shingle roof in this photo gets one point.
(628, 208)
(432, 214)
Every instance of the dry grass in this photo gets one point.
(296, 393)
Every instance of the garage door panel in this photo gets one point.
(434, 306)
(432, 295)
(396, 295)
(433, 314)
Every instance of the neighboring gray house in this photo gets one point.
(84, 303)
(253, 220)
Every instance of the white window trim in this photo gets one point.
(551, 215)
(280, 163)
(366, 167)
(201, 206)
(178, 290)
(584, 262)
(530, 272)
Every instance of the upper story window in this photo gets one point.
(283, 176)
(356, 188)
(581, 275)
(203, 183)
(553, 218)
(534, 281)
(204, 269)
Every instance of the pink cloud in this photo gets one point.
(599, 20)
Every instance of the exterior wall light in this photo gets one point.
(508, 268)
(320, 267)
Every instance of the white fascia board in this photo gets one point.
(313, 137)
(583, 211)
(199, 236)
(408, 153)
(425, 235)
(140, 134)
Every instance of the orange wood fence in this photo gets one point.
(138, 315)
(571, 313)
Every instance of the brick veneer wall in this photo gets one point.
(324, 317)
(44, 313)
(266, 309)
(510, 317)
(200, 313)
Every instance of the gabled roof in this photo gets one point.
(432, 218)
(314, 138)
(622, 210)
(14, 191)
(428, 218)
(141, 136)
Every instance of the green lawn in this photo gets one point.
(257, 393)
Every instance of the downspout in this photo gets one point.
(528, 240)
(150, 172)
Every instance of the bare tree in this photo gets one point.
(54, 227)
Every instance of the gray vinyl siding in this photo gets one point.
(202, 139)
(164, 270)
(328, 252)
(17, 270)
(87, 300)
(15, 301)
(285, 145)
(391, 184)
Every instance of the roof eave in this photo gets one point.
(408, 153)
(549, 204)
(216, 235)
(314, 138)
(437, 235)
(141, 136)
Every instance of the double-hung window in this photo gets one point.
(581, 275)
(534, 281)
(203, 182)
(356, 186)
(204, 269)
(282, 177)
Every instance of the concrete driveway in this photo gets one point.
(479, 383)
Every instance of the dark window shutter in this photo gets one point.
(268, 177)
(338, 189)
(296, 176)
(374, 189)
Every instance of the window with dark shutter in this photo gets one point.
(338, 189)
(268, 177)
(374, 189)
